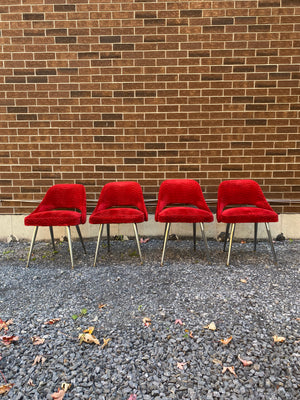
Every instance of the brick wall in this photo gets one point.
(99, 90)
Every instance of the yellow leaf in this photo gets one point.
(66, 386)
(89, 330)
(278, 339)
(147, 321)
(211, 326)
(226, 341)
(88, 338)
(244, 280)
(5, 388)
(105, 342)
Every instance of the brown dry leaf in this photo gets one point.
(30, 383)
(7, 340)
(181, 365)
(4, 324)
(88, 338)
(147, 321)
(244, 280)
(230, 369)
(105, 342)
(211, 326)
(216, 361)
(89, 330)
(226, 341)
(39, 359)
(36, 340)
(5, 388)
(52, 321)
(59, 395)
(278, 339)
(102, 306)
(245, 363)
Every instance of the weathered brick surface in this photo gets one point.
(94, 91)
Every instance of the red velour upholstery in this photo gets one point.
(182, 200)
(63, 205)
(119, 203)
(242, 200)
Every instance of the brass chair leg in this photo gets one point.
(98, 242)
(70, 245)
(31, 245)
(167, 229)
(80, 237)
(194, 235)
(52, 237)
(230, 243)
(255, 235)
(108, 237)
(271, 242)
(137, 241)
(226, 236)
(204, 238)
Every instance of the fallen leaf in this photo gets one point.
(66, 386)
(147, 321)
(278, 339)
(4, 324)
(52, 321)
(226, 341)
(37, 340)
(244, 280)
(89, 330)
(7, 340)
(5, 388)
(211, 326)
(142, 240)
(105, 342)
(59, 395)
(178, 321)
(102, 306)
(132, 397)
(181, 365)
(245, 363)
(88, 338)
(230, 369)
(30, 383)
(216, 361)
(39, 359)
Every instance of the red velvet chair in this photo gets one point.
(242, 201)
(182, 200)
(63, 205)
(119, 203)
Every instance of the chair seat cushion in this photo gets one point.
(53, 218)
(248, 214)
(184, 214)
(117, 215)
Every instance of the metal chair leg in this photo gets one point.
(137, 241)
(255, 235)
(80, 237)
(108, 237)
(70, 245)
(52, 237)
(98, 242)
(226, 236)
(271, 242)
(31, 245)
(230, 243)
(167, 229)
(204, 238)
(194, 235)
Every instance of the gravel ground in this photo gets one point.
(175, 356)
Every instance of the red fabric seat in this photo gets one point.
(181, 200)
(242, 201)
(119, 203)
(63, 205)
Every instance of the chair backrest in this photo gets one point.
(241, 192)
(122, 194)
(65, 196)
(180, 191)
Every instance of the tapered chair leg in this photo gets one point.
(204, 238)
(230, 243)
(137, 241)
(194, 235)
(32, 244)
(255, 235)
(108, 237)
(80, 237)
(226, 236)
(271, 242)
(52, 237)
(167, 229)
(98, 242)
(70, 245)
